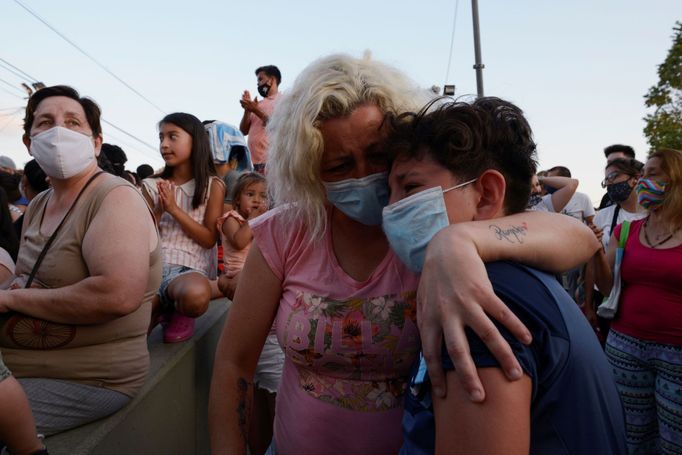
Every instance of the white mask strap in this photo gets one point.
(459, 185)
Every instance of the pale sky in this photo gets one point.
(578, 69)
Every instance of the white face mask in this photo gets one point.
(62, 153)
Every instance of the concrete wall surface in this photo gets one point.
(169, 415)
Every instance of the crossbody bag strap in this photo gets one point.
(54, 234)
(624, 232)
(614, 220)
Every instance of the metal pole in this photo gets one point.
(477, 49)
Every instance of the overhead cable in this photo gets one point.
(131, 135)
(19, 75)
(93, 59)
(12, 85)
(452, 42)
(10, 117)
(26, 75)
(10, 93)
(127, 146)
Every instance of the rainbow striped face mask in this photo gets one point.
(650, 193)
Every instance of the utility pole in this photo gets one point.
(478, 66)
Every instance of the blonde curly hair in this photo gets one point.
(331, 87)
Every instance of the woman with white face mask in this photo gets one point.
(88, 266)
(344, 304)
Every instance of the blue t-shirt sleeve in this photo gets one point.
(526, 355)
(483, 358)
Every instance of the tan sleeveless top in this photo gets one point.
(113, 354)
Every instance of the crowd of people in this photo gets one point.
(403, 278)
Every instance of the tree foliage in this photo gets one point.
(664, 125)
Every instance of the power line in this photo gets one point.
(19, 75)
(131, 135)
(30, 78)
(111, 73)
(13, 86)
(151, 147)
(126, 145)
(452, 42)
(10, 117)
(10, 93)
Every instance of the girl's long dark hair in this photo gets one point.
(8, 236)
(202, 161)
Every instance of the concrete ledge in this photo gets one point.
(169, 415)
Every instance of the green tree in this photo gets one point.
(664, 126)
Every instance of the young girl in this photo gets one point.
(187, 199)
(250, 199)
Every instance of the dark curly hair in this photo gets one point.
(470, 138)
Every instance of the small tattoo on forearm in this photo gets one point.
(514, 234)
(243, 408)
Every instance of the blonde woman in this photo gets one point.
(344, 304)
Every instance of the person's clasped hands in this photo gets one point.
(167, 196)
(247, 103)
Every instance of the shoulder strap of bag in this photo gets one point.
(614, 220)
(54, 234)
(624, 232)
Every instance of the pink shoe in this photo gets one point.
(179, 328)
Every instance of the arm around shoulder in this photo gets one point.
(454, 290)
(547, 241)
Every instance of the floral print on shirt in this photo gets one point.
(353, 353)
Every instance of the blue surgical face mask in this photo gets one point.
(411, 223)
(360, 199)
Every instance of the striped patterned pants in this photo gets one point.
(649, 379)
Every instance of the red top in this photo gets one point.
(651, 296)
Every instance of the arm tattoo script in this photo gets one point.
(243, 409)
(514, 234)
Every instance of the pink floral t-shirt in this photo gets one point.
(349, 345)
